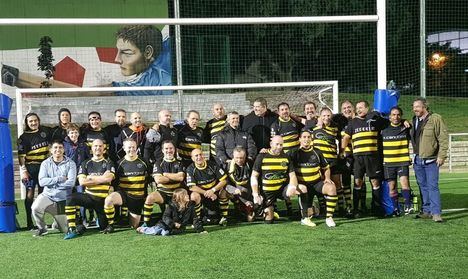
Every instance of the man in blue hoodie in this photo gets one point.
(57, 175)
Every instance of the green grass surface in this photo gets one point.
(372, 248)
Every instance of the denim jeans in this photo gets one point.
(427, 176)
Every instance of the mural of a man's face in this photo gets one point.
(132, 61)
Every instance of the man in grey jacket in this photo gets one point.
(57, 175)
(430, 144)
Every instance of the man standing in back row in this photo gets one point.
(430, 145)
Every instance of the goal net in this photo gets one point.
(47, 102)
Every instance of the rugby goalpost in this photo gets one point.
(379, 19)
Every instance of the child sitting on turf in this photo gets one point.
(179, 213)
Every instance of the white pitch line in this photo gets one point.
(454, 210)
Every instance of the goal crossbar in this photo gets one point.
(188, 21)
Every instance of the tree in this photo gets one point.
(45, 60)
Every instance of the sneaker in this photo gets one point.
(437, 218)
(40, 232)
(423, 215)
(307, 222)
(223, 222)
(349, 213)
(71, 233)
(108, 230)
(409, 210)
(330, 223)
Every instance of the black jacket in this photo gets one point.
(230, 138)
(185, 217)
(259, 127)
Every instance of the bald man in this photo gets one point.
(159, 133)
(213, 127)
(137, 131)
(277, 176)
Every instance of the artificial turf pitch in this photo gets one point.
(360, 248)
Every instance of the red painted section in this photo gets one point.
(107, 54)
(69, 71)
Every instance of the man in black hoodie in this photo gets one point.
(258, 123)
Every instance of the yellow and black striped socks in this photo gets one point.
(70, 212)
(147, 211)
(331, 202)
(110, 212)
(224, 206)
(198, 209)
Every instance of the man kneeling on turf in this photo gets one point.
(308, 164)
(168, 173)
(238, 186)
(276, 170)
(95, 175)
(132, 177)
(57, 175)
(207, 180)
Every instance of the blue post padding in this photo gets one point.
(7, 189)
(386, 200)
(385, 99)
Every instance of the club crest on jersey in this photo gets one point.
(43, 135)
(140, 165)
(284, 163)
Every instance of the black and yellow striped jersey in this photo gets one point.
(205, 177)
(395, 141)
(341, 122)
(132, 176)
(96, 168)
(307, 165)
(188, 140)
(325, 139)
(167, 166)
(212, 129)
(310, 124)
(90, 135)
(289, 131)
(274, 170)
(240, 175)
(34, 146)
(364, 133)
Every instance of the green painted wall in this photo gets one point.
(21, 37)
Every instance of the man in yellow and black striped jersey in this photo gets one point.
(213, 127)
(132, 174)
(95, 175)
(275, 171)
(238, 186)
(286, 127)
(342, 119)
(168, 173)
(33, 149)
(363, 131)
(190, 137)
(396, 159)
(326, 138)
(207, 181)
(309, 164)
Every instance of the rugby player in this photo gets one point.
(277, 175)
(132, 173)
(33, 148)
(159, 133)
(309, 163)
(207, 181)
(95, 175)
(396, 159)
(189, 137)
(168, 174)
(213, 127)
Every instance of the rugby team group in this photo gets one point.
(115, 175)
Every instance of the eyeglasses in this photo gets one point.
(94, 118)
